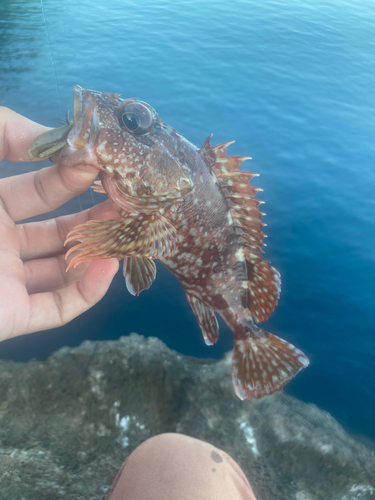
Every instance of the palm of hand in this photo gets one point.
(36, 293)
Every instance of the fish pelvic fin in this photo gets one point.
(139, 273)
(206, 319)
(140, 235)
(263, 363)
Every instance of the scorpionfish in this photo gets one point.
(193, 210)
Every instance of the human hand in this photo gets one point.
(36, 292)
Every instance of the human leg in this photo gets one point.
(178, 467)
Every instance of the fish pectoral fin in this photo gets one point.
(139, 273)
(263, 364)
(206, 319)
(139, 235)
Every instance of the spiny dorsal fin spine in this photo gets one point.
(236, 188)
(244, 198)
(249, 210)
(220, 150)
(240, 187)
(227, 164)
(206, 146)
(239, 176)
(248, 220)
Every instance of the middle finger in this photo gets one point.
(46, 238)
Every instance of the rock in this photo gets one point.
(67, 424)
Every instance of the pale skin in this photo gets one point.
(36, 292)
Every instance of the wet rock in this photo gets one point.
(67, 424)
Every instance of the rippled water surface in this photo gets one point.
(293, 83)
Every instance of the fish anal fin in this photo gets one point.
(140, 235)
(206, 319)
(262, 365)
(139, 273)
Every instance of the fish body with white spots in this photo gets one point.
(192, 209)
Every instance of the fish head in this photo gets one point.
(129, 144)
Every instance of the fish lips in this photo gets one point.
(85, 128)
(78, 103)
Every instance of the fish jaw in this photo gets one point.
(76, 142)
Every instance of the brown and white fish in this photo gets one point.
(192, 209)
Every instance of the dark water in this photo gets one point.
(293, 83)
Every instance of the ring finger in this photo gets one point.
(50, 274)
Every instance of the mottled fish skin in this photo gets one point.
(192, 209)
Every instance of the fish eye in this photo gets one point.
(136, 117)
(131, 121)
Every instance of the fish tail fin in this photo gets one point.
(263, 363)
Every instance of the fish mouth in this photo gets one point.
(85, 120)
(77, 135)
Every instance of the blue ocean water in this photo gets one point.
(293, 83)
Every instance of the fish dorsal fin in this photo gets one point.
(139, 273)
(261, 294)
(133, 235)
(206, 146)
(206, 319)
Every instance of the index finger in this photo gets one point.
(35, 193)
(16, 135)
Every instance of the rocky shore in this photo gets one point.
(67, 424)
